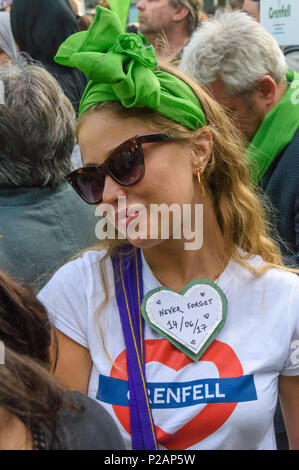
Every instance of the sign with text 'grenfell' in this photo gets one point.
(281, 19)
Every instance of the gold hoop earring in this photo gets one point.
(199, 174)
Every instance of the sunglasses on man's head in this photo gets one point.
(125, 165)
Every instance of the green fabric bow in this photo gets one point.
(122, 9)
(121, 68)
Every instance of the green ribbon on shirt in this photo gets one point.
(276, 131)
(121, 68)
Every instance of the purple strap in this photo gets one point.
(125, 278)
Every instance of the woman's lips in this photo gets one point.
(123, 218)
(131, 217)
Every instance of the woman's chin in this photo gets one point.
(143, 243)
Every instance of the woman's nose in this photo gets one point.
(112, 191)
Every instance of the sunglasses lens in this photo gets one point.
(89, 184)
(125, 165)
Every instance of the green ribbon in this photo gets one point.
(121, 8)
(276, 131)
(121, 68)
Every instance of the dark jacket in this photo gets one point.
(91, 429)
(41, 229)
(281, 185)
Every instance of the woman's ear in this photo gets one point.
(201, 149)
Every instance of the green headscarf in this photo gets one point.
(121, 68)
(122, 9)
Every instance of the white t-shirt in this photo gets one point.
(227, 399)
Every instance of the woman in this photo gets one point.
(203, 370)
(35, 413)
(39, 27)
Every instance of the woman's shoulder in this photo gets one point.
(76, 284)
(85, 265)
(273, 275)
(86, 259)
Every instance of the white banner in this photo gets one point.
(281, 19)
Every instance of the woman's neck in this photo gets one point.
(175, 266)
(14, 435)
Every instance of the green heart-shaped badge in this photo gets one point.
(190, 319)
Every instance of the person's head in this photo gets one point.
(39, 27)
(84, 22)
(162, 16)
(24, 324)
(8, 50)
(141, 99)
(171, 168)
(27, 387)
(241, 65)
(37, 123)
(252, 8)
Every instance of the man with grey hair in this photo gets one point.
(43, 223)
(168, 25)
(243, 68)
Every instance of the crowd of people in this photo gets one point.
(192, 110)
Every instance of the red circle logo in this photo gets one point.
(211, 417)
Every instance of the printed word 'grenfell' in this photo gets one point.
(183, 394)
(283, 12)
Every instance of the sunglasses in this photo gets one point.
(125, 165)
